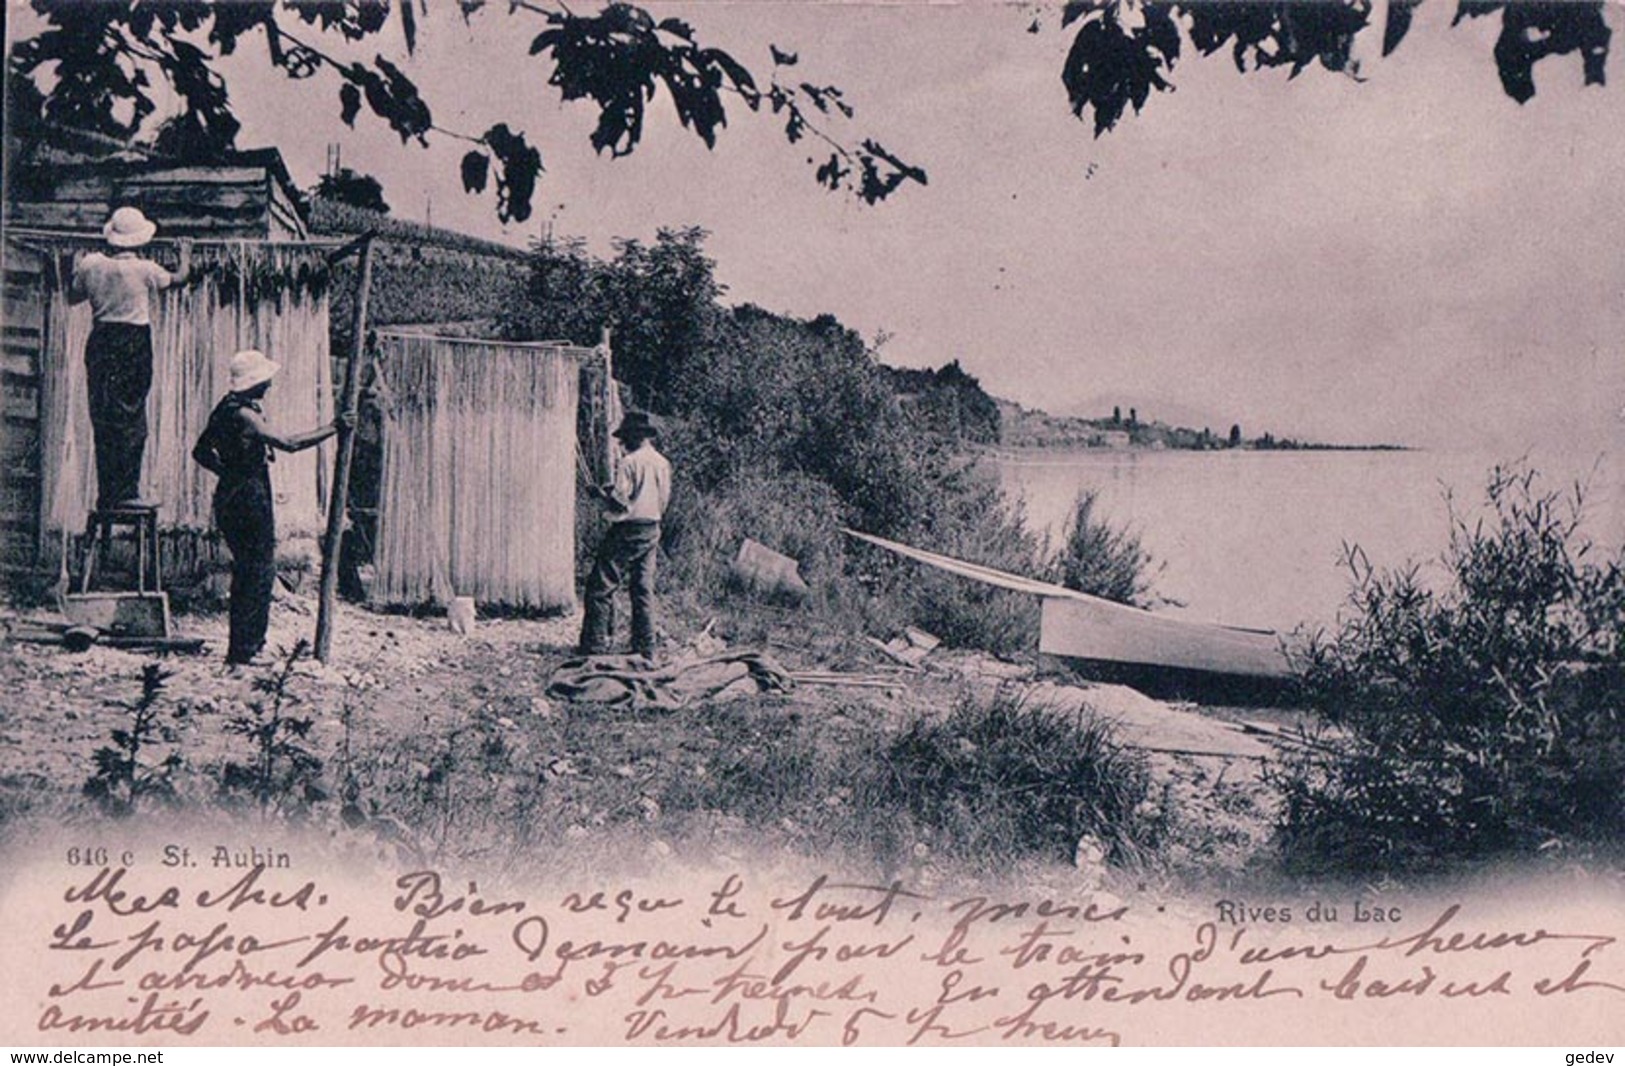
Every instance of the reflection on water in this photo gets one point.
(1255, 538)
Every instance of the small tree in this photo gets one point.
(347, 187)
(1235, 435)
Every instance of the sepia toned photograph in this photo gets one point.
(822, 523)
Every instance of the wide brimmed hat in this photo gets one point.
(129, 228)
(637, 424)
(250, 367)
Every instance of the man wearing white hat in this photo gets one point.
(118, 357)
(237, 446)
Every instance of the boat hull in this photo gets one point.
(1085, 628)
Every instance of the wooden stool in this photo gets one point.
(99, 534)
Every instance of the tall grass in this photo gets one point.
(990, 783)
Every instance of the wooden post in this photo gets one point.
(606, 404)
(339, 499)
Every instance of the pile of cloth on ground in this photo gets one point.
(636, 682)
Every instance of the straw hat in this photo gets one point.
(129, 228)
(250, 367)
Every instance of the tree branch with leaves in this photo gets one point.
(103, 61)
(1122, 51)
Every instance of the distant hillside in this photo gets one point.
(1024, 427)
(949, 402)
(331, 218)
(420, 274)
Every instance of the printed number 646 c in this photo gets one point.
(98, 856)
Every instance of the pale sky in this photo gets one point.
(1414, 258)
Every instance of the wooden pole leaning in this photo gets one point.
(339, 500)
(606, 404)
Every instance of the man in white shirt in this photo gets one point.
(626, 556)
(118, 356)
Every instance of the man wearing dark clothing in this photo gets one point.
(237, 447)
(636, 501)
(118, 369)
(118, 356)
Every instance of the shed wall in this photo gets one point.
(245, 200)
(48, 453)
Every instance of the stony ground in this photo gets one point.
(434, 745)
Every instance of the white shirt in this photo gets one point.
(118, 286)
(643, 484)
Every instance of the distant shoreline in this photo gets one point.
(1031, 429)
(1016, 451)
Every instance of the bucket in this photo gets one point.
(761, 568)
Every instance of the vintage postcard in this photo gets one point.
(765, 523)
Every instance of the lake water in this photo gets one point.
(1256, 538)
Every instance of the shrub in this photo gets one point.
(1101, 559)
(995, 781)
(972, 521)
(793, 514)
(978, 524)
(1474, 718)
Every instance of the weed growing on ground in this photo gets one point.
(1482, 717)
(283, 776)
(126, 774)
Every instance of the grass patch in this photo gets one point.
(494, 777)
(999, 779)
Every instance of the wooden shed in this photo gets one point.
(245, 195)
(479, 471)
(261, 285)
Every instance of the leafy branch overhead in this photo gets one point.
(106, 58)
(1122, 52)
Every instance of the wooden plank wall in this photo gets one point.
(284, 220)
(185, 201)
(45, 450)
(22, 312)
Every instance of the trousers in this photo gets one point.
(118, 371)
(244, 513)
(626, 556)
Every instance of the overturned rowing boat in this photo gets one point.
(1079, 626)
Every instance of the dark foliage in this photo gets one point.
(948, 402)
(282, 774)
(999, 776)
(1102, 559)
(357, 190)
(802, 411)
(102, 62)
(1121, 53)
(1485, 716)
